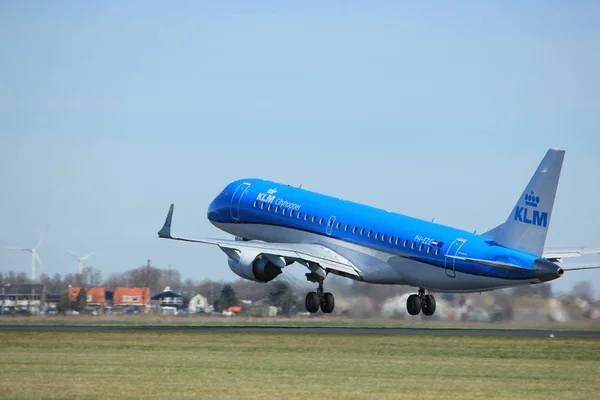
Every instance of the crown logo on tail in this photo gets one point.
(531, 199)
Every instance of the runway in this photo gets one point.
(311, 330)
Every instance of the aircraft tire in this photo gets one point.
(312, 302)
(413, 304)
(428, 304)
(328, 303)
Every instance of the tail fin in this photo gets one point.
(527, 225)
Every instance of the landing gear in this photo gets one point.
(413, 304)
(421, 301)
(428, 305)
(324, 300)
(312, 302)
(327, 303)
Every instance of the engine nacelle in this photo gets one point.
(254, 268)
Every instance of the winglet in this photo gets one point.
(165, 232)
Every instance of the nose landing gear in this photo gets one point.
(421, 302)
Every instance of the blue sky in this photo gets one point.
(111, 111)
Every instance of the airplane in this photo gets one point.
(275, 225)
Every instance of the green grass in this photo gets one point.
(182, 365)
(333, 321)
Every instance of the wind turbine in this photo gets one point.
(80, 259)
(34, 255)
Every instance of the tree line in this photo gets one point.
(286, 295)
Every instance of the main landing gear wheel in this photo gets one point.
(428, 304)
(417, 302)
(312, 302)
(413, 304)
(317, 299)
(327, 303)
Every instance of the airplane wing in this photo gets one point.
(311, 253)
(558, 253)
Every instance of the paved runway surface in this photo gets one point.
(339, 330)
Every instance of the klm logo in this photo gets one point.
(529, 215)
(267, 198)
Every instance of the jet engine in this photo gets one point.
(254, 268)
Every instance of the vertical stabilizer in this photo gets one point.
(527, 225)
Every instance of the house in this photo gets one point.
(199, 304)
(94, 297)
(261, 308)
(131, 299)
(168, 300)
(24, 298)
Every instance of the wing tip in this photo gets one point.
(165, 231)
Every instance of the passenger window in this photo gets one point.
(255, 201)
(354, 230)
(377, 235)
(321, 221)
(437, 252)
(284, 211)
(412, 246)
(277, 209)
(291, 213)
(383, 237)
(421, 247)
(362, 231)
(262, 206)
(428, 249)
(406, 243)
(314, 218)
(346, 227)
(337, 226)
(397, 241)
(391, 239)
(369, 234)
(299, 214)
(270, 207)
(306, 217)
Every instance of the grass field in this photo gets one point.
(334, 321)
(185, 365)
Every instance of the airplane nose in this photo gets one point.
(213, 210)
(547, 271)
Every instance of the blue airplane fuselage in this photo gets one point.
(386, 247)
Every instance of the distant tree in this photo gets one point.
(146, 276)
(16, 278)
(545, 290)
(228, 297)
(276, 292)
(584, 290)
(281, 295)
(171, 278)
(65, 302)
(188, 286)
(81, 300)
(57, 283)
(73, 280)
(115, 281)
(249, 290)
(210, 289)
(91, 277)
(217, 305)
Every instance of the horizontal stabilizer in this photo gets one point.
(582, 266)
(567, 252)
